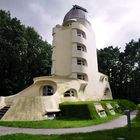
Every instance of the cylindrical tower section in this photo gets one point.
(73, 53)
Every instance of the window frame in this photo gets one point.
(81, 48)
(70, 93)
(81, 62)
(81, 33)
(81, 76)
(48, 90)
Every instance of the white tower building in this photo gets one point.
(75, 56)
(75, 75)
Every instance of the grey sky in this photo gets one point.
(115, 22)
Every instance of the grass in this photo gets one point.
(100, 135)
(135, 123)
(58, 123)
(126, 104)
(113, 134)
(74, 114)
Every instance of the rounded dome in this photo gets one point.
(76, 12)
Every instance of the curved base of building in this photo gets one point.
(44, 96)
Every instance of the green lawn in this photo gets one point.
(136, 123)
(58, 123)
(113, 134)
(73, 122)
(101, 135)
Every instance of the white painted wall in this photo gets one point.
(65, 56)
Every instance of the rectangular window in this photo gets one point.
(67, 95)
(80, 76)
(83, 49)
(79, 48)
(81, 34)
(80, 62)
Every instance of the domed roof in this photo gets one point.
(76, 12)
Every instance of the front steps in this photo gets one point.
(3, 111)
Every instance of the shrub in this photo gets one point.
(138, 114)
(92, 110)
(126, 104)
(83, 110)
(78, 110)
(105, 108)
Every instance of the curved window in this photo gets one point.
(48, 90)
(106, 79)
(107, 91)
(81, 34)
(81, 62)
(81, 48)
(70, 93)
(82, 77)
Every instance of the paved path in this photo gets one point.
(119, 122)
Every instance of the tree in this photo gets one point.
(123, 69)
(23, 55)
(108, 60)
(131, 61)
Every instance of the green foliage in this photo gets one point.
(123, 69)
(58, 123)
(86, 109)
(23, 55)
(79, 110)
(116, 107)
(92, 110)
(75, 111)
(126, 104)
(105, 108)
(138, 114)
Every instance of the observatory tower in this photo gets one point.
(75, 56)
(75, 75)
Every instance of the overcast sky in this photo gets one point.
(115, 22)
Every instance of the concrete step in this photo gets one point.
(3, 111)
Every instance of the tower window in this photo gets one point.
(81, 76)
(81, 62)
(70, 93)
(107, 91)
(81, 34)
(81, 48)
(48, 90)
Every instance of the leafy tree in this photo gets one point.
(109, 64)
(131, 62)
(23, 55)
(123, 69)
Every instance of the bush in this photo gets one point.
(105, 107)
(113, 104)
(138, 114)
(126, 104)
(83, 110)
(78, 110)
(75, 111)
(92, 110)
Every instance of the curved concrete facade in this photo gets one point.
(72, 61)
(75, 75)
